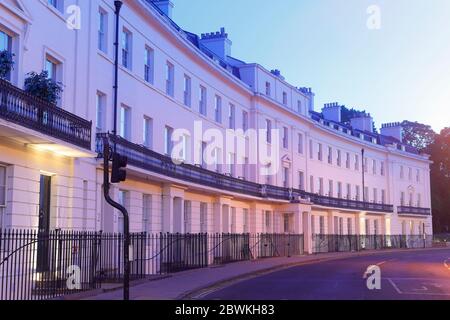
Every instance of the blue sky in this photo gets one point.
(399, 72)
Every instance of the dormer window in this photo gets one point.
(285, 99)
(299, 106)
(57, 4)
(268, 89)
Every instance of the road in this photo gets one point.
(417, 275)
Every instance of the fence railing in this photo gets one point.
(37, 266)
(322, 243)
(26, 110)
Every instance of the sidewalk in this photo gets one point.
(183, 284)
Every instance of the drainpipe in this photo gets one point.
(118, 5)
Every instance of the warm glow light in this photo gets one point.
(61, 150)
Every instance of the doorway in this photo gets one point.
(43, 249)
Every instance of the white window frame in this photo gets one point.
(168, 143)
(231, 116)
(187, 91)
(147, 130)
(268, 131)
(300, 143)
(170, 79)
(125, 122)
(149, 63)
(285, 137)
(244, 121)
(100, 112)
(218, 109)
(203, 101)
(127, 48)
(102, 30)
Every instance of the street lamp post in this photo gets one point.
(106, 158)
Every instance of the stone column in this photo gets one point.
(172, 208)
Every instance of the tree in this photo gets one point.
(440, 180)
(347, 114)
(417, 134)
(6, 63)
(42, 87)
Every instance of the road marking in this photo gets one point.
(421, 289)
(446, 264)
(395, 286)
(381, 263)
(424, 290)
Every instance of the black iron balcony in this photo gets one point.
(28, 111)
(141, 157)
(414, 211)
(344, 203)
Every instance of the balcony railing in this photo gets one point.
(26, 110)
(346, 203)
(147, 159)
(414, 210)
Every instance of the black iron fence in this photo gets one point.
(347, 243)
(26, 110)
(36, 266)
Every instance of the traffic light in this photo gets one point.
(119, 163)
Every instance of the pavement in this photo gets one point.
(409, 275)
(271, 276)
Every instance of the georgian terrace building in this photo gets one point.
(169, 78)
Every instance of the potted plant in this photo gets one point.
(39, 85)
(6, 63)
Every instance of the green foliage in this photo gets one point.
(439, 150)
(6, 63)
(417, 134)
(42, 87)
(347, 114)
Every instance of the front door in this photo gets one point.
(44, 224)
(287, 223)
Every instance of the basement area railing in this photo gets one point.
(41, 266)
(322, 243)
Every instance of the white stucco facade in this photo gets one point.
(167, 94)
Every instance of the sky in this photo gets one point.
(399, 71)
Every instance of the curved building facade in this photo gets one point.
(215, 144)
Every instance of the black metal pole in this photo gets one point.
(363, 177)
(118, 5)
(126, 223)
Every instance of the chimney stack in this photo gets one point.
(393, 129)
(165, 6)
(363, 121)
(332, 111)
(218, 43)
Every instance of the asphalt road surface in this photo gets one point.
(416, 275)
